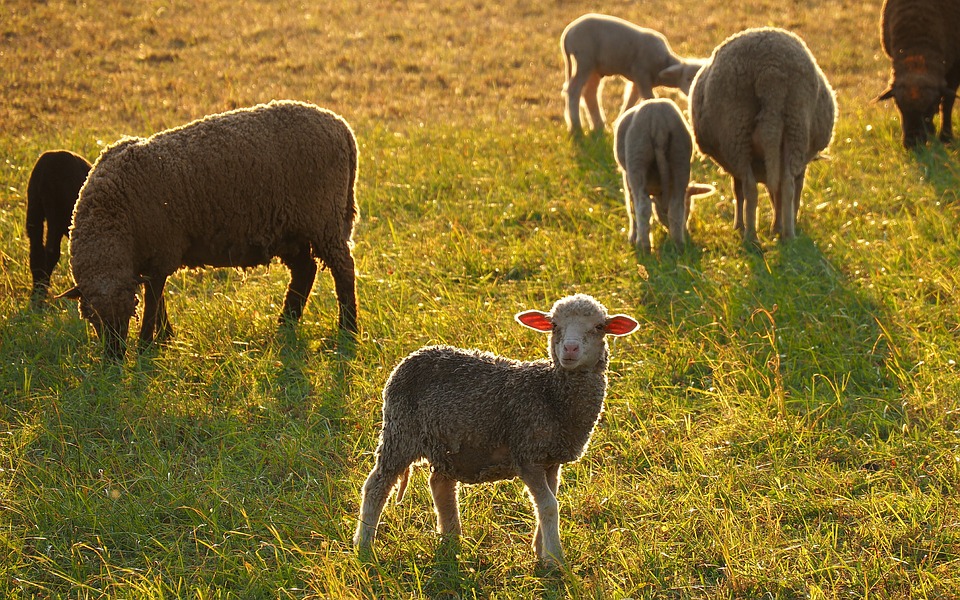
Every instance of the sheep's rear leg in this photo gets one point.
(641, 210)
(444, 491)
(591, 99)
(547, 508)
(572, 90)
(303, 271)
(376, 489)
(340, 261)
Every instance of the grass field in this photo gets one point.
(784, 424)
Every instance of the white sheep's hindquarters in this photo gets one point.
(653, 147)
(476, 417)
(230, 190)
(595, 46)
(763, 110)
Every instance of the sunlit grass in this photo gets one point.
(783, 423)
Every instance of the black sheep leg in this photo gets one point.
(154, 312)
(341, 264)
(303, 271)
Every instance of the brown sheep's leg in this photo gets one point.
(444, 491)
(153, 305)
(303, 271)
(343, 270)
(946, 116)
(548, 515)
(591, 98)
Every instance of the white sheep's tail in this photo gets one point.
(770, 135)
(663, 169)
(403, 483)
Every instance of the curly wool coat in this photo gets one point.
(922, 39)
(230, 190)
(763, 110)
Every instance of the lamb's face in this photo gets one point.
(578, 342)
(578, 326)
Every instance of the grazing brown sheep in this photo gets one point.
(922, 39)
(229, 190)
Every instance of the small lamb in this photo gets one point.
(653, 147)
(55, 183)
(596, 46)
(477, 417)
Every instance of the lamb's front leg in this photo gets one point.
(553, 480)
(546, 539)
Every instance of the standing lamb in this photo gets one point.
(653, 147)
(596, 46)
(922, 38)
(477, 417)
(762, 108)
(229, 190)
(51, 194)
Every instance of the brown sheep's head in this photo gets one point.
(109, 309)
(917, 94)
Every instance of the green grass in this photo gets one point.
(784, 423)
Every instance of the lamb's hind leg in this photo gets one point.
(591, 99)
(444, 491)
(376, 489)
(572, 92)
(303, 271)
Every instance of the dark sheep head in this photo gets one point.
(109, 311)
(917, 93)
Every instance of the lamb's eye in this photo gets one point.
(600, 327)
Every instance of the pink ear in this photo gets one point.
(620, 325)
(534, 319)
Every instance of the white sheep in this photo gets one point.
(477, 417)
(763, 110)
(596, 46)
(653, 147)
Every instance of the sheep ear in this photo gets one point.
(697, 190)
(620, 325)
(671, 75)
(886, 95)
(535, 319)
(71, 294)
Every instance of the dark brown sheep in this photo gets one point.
(51, 194)
(230, 190)
(922, 38)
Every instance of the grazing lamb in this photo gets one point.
(229, 190)
(922, 38)
(477, 417)
(596, 46)
(762, 109)
(653, 147)
(51, 194)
